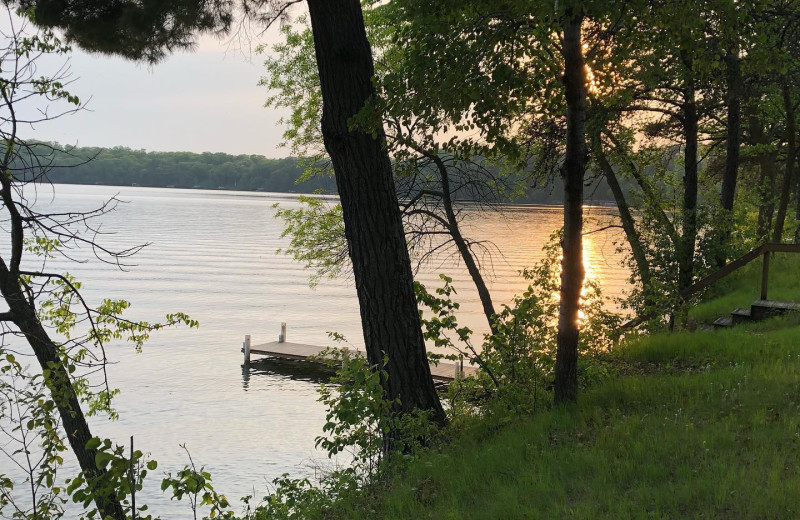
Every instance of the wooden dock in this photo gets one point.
(444, 371)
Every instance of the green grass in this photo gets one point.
(699, 425)
(744, 287)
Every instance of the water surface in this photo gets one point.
(212, 256)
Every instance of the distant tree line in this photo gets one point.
(122, 166)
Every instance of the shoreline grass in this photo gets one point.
(702, 424)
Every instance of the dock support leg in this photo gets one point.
(246, 349)
(282, 337)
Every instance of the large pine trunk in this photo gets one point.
(566, 369)
(373, 226)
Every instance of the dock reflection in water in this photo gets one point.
(315, 373)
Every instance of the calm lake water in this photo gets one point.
(213, 256)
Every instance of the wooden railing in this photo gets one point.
(764, 250)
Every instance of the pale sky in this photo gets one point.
(206, 100)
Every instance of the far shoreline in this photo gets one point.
(286, 194)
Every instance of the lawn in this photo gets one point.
(702, 424)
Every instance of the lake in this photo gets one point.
(212, 255)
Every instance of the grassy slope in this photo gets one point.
(703, 424)
(744, 287)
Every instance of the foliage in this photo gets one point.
(702, 421)
(35, 444)
(116, 479)
(483, 80)
(361, 420)
(31, 425)
(517, 360)
(195, 485)
(31, 401)
(362, 424)
(49, 319)
(357, 414)
(120, 166)
(432, 170)
(317, 239)
(293, 82)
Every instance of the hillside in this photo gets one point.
(701, 424)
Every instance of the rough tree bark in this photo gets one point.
(373, 227)
(733, 138)
(788, 172)
(689, 210)
(566, 369)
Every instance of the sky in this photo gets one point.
(206, 100)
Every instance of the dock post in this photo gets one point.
(455, 371)
(246, 348)
(282, 337)
(461, 365)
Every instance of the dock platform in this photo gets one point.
(444, 371)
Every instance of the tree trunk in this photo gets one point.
(797, 208)
(373, 227)
(733, 138)
(730, 175)
(766, 191)
(625, 216)
(689, 209)
(463, 247)
(788, 173)
(766, 178)
(60, 387)
(652, 196)
(566, 369)
(477, 277)
(55, 375)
